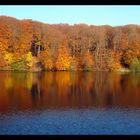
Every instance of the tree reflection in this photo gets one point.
(23, 91)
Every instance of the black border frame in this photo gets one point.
(70, 2)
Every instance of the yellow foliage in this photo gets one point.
(29, 59)
(9, 58)
(63, 59)
(63, 62)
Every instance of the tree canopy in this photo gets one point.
(67, 47)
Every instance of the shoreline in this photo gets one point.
(123, 70)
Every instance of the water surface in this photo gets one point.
(69, 103)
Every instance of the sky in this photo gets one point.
(95, 15)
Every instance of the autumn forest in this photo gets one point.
(27, 45)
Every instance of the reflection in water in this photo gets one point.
(48, 90)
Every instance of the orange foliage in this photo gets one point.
(5, 37)
(66, 47)
(63, 59)
(129, 55)
(2, 61)
(115, 63)
(47, 59)
(85, 61)
(124, 41)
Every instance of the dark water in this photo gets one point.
(69, 103)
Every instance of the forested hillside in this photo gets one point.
(34, 46)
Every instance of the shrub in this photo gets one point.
(20, 65)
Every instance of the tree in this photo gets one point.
(128, 55)
(47, 59)
(36, 46)
(135, 65)
(63, 59)
(5, 37)
(2, 61)
(86, 63)
(27, 43)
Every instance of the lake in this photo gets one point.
(69, 103)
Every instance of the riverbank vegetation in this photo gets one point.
(28, 45)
